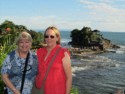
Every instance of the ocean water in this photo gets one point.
(99, 73)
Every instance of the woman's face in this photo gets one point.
(50, 38)
(24, 45)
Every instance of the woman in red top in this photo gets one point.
(59, 79)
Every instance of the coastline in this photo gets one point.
(84, 52)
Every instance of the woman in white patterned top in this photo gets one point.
(13, 66)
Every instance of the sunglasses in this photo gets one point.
(51, 36)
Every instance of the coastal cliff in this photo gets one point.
(87, 41)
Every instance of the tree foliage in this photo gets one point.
(85, 37)
(9, 31)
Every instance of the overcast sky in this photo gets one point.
(104, 15)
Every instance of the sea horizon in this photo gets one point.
(68, 30)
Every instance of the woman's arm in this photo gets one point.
(9, 84)
(67, 68)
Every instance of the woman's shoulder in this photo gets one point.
(64, 49)
(33, 54)
(41, 49)
(11, 55)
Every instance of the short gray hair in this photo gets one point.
(24, 35)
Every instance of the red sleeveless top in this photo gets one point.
(56, 80)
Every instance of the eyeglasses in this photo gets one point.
(51, 36)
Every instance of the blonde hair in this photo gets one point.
(24, 35)
(57, 33)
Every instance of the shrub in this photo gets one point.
(74, 90)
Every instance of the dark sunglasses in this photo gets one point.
(51, 36)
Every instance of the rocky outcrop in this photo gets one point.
(108, 44)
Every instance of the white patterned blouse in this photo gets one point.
(13, 65)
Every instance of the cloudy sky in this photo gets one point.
(104, 15)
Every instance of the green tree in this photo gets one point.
(9, 31)
(37, 38)
(85, 37)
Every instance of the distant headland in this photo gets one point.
(88, 41)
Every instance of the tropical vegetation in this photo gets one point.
(10, 31)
